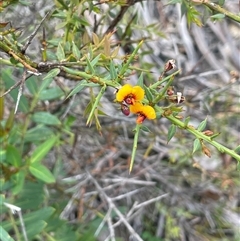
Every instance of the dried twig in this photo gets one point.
(115, 209)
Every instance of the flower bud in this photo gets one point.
(125, 109)
(169, 65)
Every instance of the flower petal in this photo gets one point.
(138, 93)
(144, 110)
(124, 92)
(149, 112)
(136, 108)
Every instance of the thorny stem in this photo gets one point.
(200, 135)
(217, 8)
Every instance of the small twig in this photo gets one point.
(112, 205)
(127, 194)
(11, 88)
(143, 204)
(14, 209)
(101, 225)
(131, 181)
(24, 48)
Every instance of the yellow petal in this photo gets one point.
(136, 108)
(149, 112)
(138, 93)
(124, 92)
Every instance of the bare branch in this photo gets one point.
(24, 48)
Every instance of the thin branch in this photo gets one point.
(11, 88)
(24, 48)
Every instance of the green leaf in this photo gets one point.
(148, 93)
(145, 128)
(4, 235)
(35, 134)
(19, 178)
(237, 149)
(31, 84)
(171, 132)
(186, 121)
(95, 60)
(31, 196)
(196, 145)
(76, 52)
(51, 94)
(35, 228)
(13, 156)
(60, 52)
(41, 214)
(52, 73)
(45, 118)
(218, 16)
(134, 149)
(89, 67)
(140, 81)
(41, 151)
(47, 80)
(41, 172)
(95, 105)
(113, 72)
(2, 156)
(202, 125)
(77, 89)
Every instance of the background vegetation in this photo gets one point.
(66, 146)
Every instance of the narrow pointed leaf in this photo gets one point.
(41, 151)
(140, 80)
(51, 74)
(90, 67)
(113, 72)
(171, 132)
(196, 145)
(41, 172)
(202, 125)
(76, 51)
(45, 118)
(60, 52)
(13, 156)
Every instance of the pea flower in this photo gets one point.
(143, 112)
(130, 94)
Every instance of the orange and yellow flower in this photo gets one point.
(130, 94)
(143, 112)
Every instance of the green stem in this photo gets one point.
(219, 9)
(91, 78)
(154, 86)
(200, 135)
(162, 93)
(95, 105)
(137, 130)
(130, 59)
